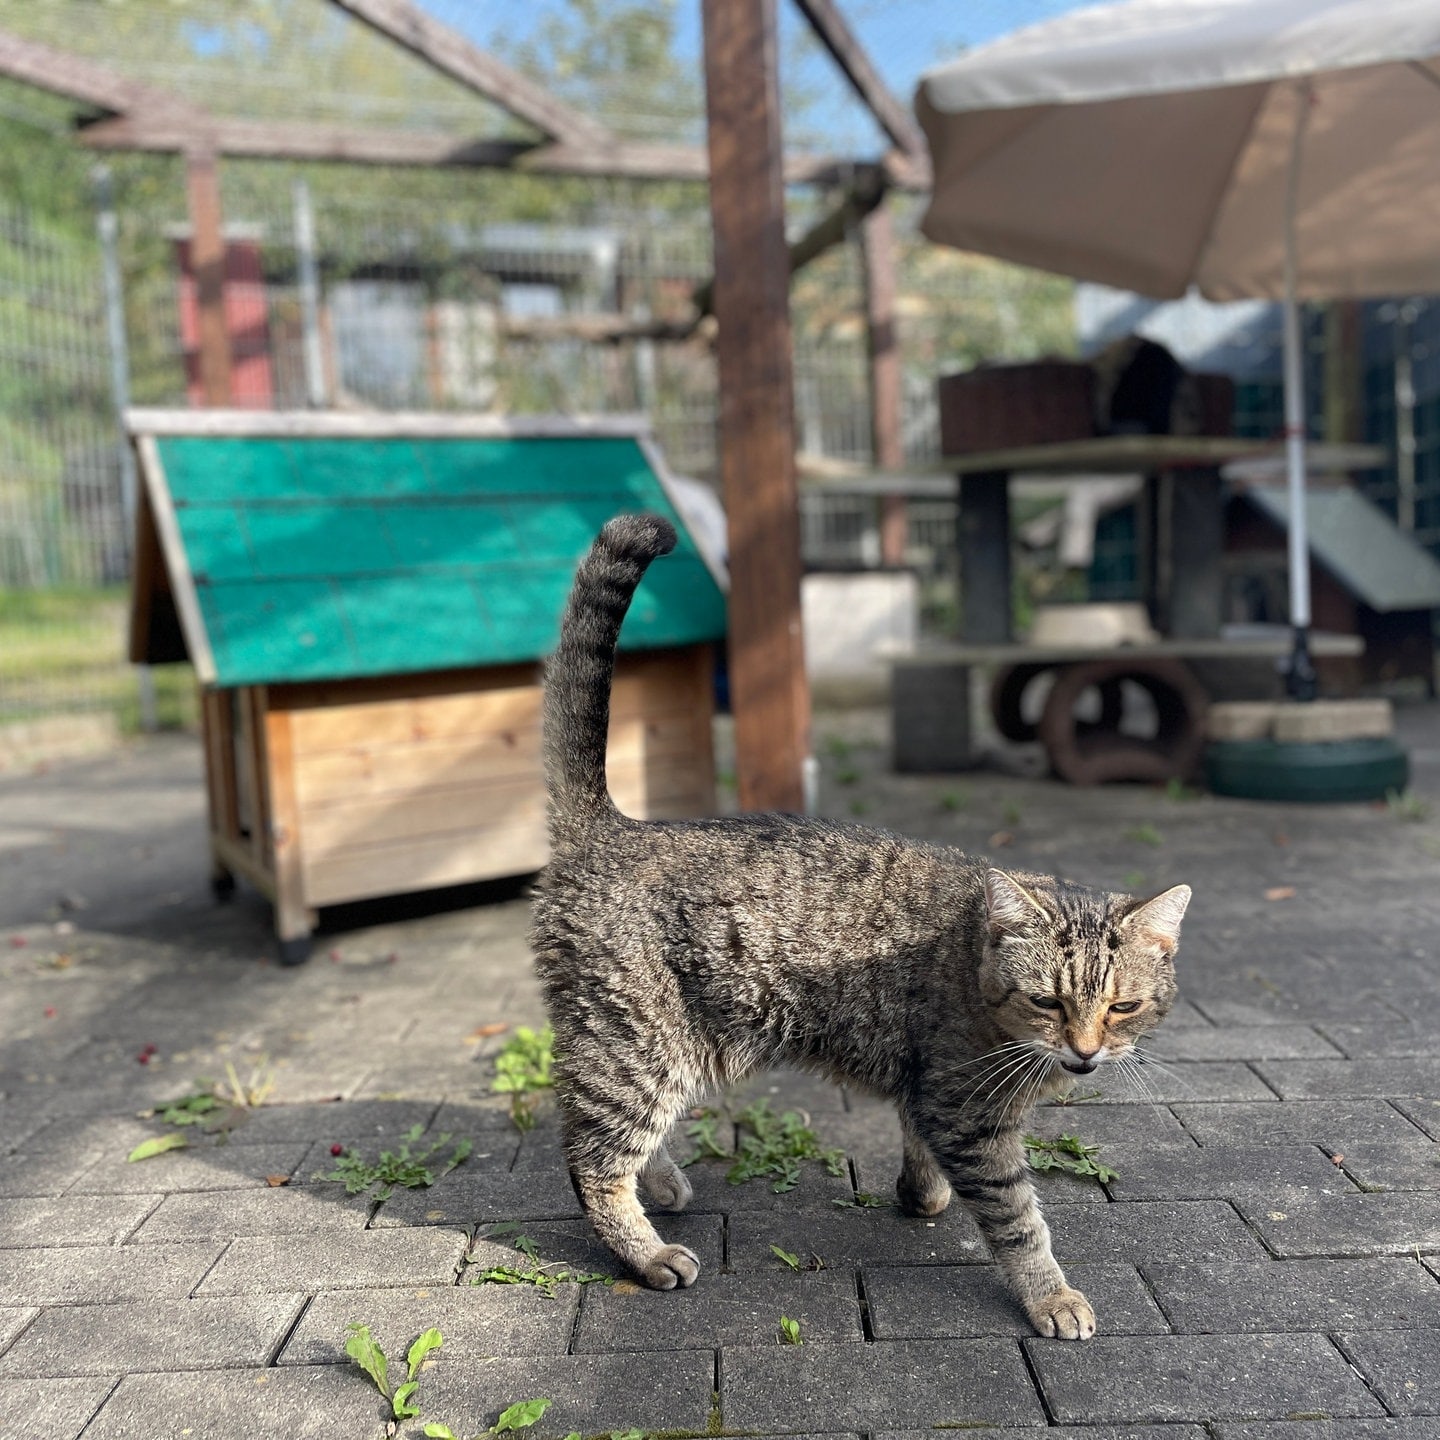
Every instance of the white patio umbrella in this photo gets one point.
(1284, 149)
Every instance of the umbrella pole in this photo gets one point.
(1300, 679)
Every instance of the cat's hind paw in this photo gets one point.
(926, 1198)
(1065, 1315)
(667, 1186)
(671, 1266)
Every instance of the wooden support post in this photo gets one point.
(1196, 544)
(757, 420)
(1344, 372)
(207, 262)
(985, 558)
(877, 253)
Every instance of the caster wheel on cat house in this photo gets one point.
(1329, 771)
(294, 952)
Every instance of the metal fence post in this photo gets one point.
(309, 276)
(108, 226)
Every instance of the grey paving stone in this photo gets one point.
(1112, 1124)
(50, 1409)
(13, 1320)
(1295, 1295)
(574, 1244)
(943, 1302)
(891, 1382)
(152, 1335)
(1331, 1123)
(1054, 1187)
(1403, 1367)
(1371, 1041)
(314, 1404)
(89, 1137)
(476, 1321)
(341, 1260)
(789, 1090)
(1424, 1112)
(1396, 1223)
(476, 1115)
(87, 1220)
(1146, 1230)
(855, 1237)
(228, 1213)
(206, 1166)
(1190, 1377)
(1183, 1081)
(104, 1274)
(493, 1151)
(17, 1124)
(375, 1121)
(483, 1195)
(1242, 1042)
(1396, 1165)
(26, 1174)
(1326, 1430)
(1067, 1432)
(721, 1310)
(1312, 1079)
(1220, 1171)
(590, 1393)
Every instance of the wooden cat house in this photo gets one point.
(365, 600)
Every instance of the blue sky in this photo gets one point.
(903, 37)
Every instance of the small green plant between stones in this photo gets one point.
(1145, 834)
(953, 800)
(538, 1275)
(410, 1169)
(790, 1331)
(1010, 813)
(365, 1351)
(523, 1070)
(1076, 1097)
(794, 1262)
(1406, 805)
(862, 1200)
(1133, 880)
(771, 1146)
(1070, 1153)
(519, 1416)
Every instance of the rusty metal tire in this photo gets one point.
(1089, 755)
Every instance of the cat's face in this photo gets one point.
(1078, 975)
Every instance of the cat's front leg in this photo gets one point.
(988, 1174)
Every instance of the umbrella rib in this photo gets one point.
(1247, 134)
(1425, 72)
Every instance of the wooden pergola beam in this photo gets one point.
(838, 38)
(450, 53)
(73, 77)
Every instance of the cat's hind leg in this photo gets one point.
(922, 1188)
(665, 1182)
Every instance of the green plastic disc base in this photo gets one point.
(1330, 770)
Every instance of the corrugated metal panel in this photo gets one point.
(336, 557)
(1362, 547)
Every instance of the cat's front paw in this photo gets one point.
(671, 1266)
(923, 1197)
(1065, 1315)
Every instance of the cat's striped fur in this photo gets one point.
(677, 956)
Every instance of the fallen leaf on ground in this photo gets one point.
(158, 1146)
(1280, 892)
(483, 1032)
(1000, 839)
(275, 1181)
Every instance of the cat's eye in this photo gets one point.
(1125, 1007)
(1046, 1002)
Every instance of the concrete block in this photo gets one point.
(79, 1220)
(940, 1383)
(972, 1301)
(574, 1244)
(467, 1196)
(721, 1310)
(1397, 1223)
(1243, 1042)
(1321, 1430)
(1342, 1079)
(13, 1319)
(50, 1409)
(1394, 1165)
(104, 1274)
(1107, 1124)
(1220, 1172)
(155, 1335)
(1296, 1295)
(1240, 719)
(1159, 1230)
(226, 1213)
(1166, 1378)
(206, 1166)
(42, 1175)
(312, 1404)
(1331, 1123)
(477, 1321)
(1403, 1366)
(338, 1260)
(930, 718)
(855, 1237)
(1322, 720)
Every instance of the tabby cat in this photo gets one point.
(677, 956)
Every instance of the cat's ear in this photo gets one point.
(1158, 920)
(1010, 908)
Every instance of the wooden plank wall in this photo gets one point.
(413, 782)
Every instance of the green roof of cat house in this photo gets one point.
(364, 599)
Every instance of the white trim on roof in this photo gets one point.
(383, 425)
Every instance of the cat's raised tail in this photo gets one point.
(578, 677)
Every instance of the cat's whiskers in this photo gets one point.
(1144, 1058)
(1016, 1068)
(1137, 1081)
(1005, 1063)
